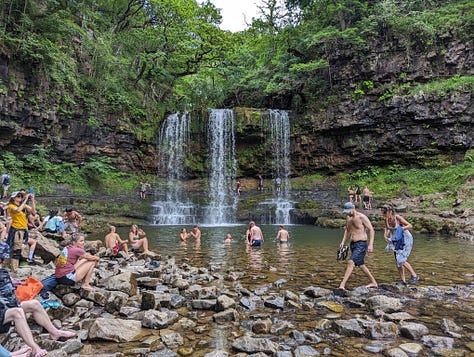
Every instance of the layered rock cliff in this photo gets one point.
(375, 118)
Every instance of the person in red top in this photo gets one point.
(74, 264)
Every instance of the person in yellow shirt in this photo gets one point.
(18, 232)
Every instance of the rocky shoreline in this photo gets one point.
(161, 307)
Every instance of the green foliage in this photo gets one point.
(442, 87)
(389, 182)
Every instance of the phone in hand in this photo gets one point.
(32, 191)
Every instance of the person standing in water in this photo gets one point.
(392, 222)
(357, 225)
(256, 235)
(283, 235)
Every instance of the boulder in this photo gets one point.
(116, 330)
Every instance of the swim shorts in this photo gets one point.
(358, 249)
(4, 327)
(256, 243)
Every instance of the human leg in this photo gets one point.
(41, 317)
(32, 244)
(17, 315)
(347, 274)
(84, 273)
(373, 282)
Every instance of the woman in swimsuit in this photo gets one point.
(392, 222)
(138, 239)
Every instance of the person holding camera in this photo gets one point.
(18, 232)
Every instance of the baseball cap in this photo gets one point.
(4, 250)
(348, 206)
(14, 194)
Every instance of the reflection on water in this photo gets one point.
(310, 260)
(310, 257)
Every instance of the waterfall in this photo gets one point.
(174, 208)
(279, 139)
(222, 200)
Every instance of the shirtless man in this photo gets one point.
(357, 225)
(72, 220)
(114, 242)
(283, 235)
(256, 235)
(196, 233)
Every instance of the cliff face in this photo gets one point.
(381, 122)
(375, 120)
(72, 139)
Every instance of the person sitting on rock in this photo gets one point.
(138, 239)
(74, 264)
(72, 220)
(55, 223)
(115, 243)
(12, 312)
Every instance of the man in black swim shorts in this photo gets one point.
(357, 225)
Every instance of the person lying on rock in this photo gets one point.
(75, 265)
(12, 312)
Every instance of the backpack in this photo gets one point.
(6, 180)
(7, 290)
(61, 260)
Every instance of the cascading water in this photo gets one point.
(222, 200)
(173, 141)
(279, 138)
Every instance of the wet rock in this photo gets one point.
(204, 304)
(374, 347)
(284, 354)
(395, 352)
(316, 292)
(277, 302)
(399, 316)
(163, 353)
(322, 324)
(413, 330)
(281, 327)
(217, 353)
(450, 327)
(305, 351)
(289, 295)
(382, 330)
(331, 305)
(262, 326)
(437, 341)
(298, 337)
(209, 292)
(176, 301)
(153, 300)
(412, 349)
(147, 282)
(226, 316)
(185, 351)
(349, 328)
(224, 302)
(253, 345)
(171, 339)
(180, 283)
(312, 337)
(448, 352)
(116, 330)
(384, 303)
(248, 303)
(159, 319)
(279, 282)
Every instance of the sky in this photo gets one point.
(236, 12)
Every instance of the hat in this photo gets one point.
(4, 250)
(14, 194)
(348, 206)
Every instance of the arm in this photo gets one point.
(370, 228)
(404, 223)
(90, 257)
(347, 234)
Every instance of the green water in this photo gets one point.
(310, 258)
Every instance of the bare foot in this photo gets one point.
(24, 351)
(87, 287)
(63, 334)
(375, 286)
(39, 353)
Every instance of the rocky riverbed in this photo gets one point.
(164, 307)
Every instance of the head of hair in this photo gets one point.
(111, 228)
(75, 237)
(68, 209)
(387, 208)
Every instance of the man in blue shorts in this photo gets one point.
(357, 225)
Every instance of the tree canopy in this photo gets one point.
(132, 61)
